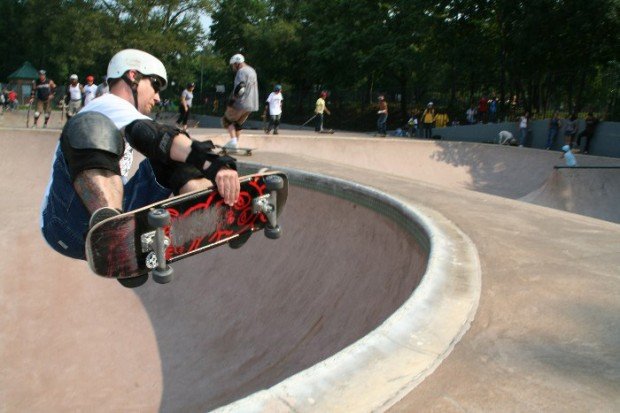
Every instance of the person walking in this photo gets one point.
(273, 107)
(185, 104)
(383, 115)
(320, 108)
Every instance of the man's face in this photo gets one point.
(148, 94)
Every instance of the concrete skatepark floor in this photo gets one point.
(544, 338)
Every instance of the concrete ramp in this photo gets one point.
(591, 191)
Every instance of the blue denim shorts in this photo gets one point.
(64, 218)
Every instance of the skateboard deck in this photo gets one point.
(28, 115)
(235, 151)
(148, 239)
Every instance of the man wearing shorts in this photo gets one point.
(244, 99)
(43, 90)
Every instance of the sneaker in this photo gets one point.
(102, 214)
(231, 144)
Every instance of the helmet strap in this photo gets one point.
(133, 84)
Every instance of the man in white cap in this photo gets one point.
(73, 97)
(89, 179)
(243, 101)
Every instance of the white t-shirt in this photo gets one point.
(275, 103)
(90, 92)
(122, 113)
(187, 96)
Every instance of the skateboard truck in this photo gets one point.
(267, 204)
(156, 242)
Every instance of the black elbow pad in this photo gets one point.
(90, 140)
(152, 139)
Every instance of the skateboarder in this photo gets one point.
(43, 90)
(89, 179)
(243, 101)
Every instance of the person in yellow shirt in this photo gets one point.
(441, 119)
(319, 109)
(428, 119)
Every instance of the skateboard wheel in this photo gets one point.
(134, 282)
(274, 182)
(273, 232)
(238, 242)
(159, 218)
(162, 276)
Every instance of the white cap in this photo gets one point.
(72, 77)
(133, 59)
(238, 58)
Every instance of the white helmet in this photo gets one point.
(73, 77)
(132, 59)
(238, 58)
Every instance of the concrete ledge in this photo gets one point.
(378, 370)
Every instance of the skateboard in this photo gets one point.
(63, 110)
(28, 115)
(235, 151)
(150, 238)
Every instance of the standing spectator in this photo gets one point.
(588, 132)
(383, 115)
(43, 90)
(103, 88)
(471, 115)
(428, 118)
(243, 101)
(74, 95)
(483, 106)
(493, 110)
(13, 103)
(441, 119)
(554, 127)
(568, 156)
(319, 108)
(274, 107)
(90, 89)
(524, 121)
(185, 104)
(570, 131)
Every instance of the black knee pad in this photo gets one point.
(152, 139)
(174, 175)
(90, 140)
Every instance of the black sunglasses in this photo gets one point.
(155, 83)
